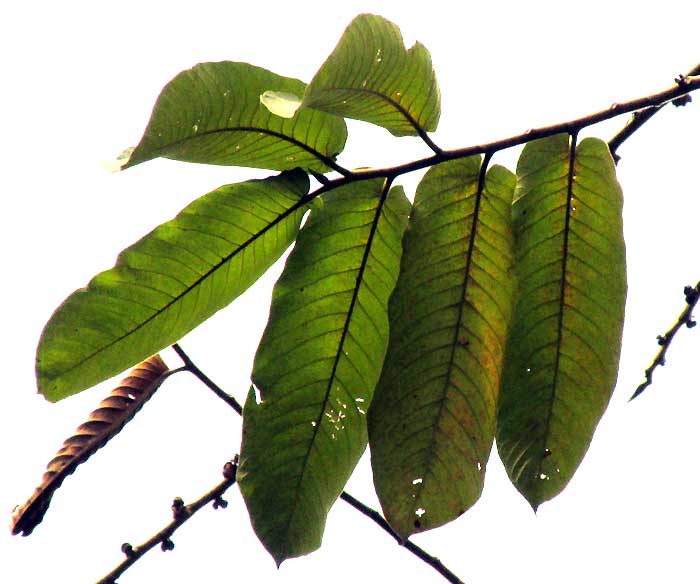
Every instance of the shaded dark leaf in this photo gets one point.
(432, 421)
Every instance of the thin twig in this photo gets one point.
(375, 516)
(432, 561)
(643, 116)
(197, 372)
(181, 514)
(688, 85)
(692, 295)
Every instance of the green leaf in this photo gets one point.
(370, 76)
(304, 426)
(170, 281)
(432, 421)
(214, 114)
(564, 347)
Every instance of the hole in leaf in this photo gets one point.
(417, 481)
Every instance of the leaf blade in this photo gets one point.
(317, 365)
(370, 76)
(212, 114)
(562, 357)
(170, 281)
(432, 421)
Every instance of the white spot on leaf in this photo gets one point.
(280, 103)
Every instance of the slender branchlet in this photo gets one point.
(692, 295)
(641, 117)
(683, 86)
(192, 368)
(367, 511)
(181, 514)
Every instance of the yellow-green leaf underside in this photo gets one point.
(564, 346)
(170, 281)
(370, 76)
(213, 114)
(318, 363)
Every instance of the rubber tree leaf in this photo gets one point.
(370, 76)
(564, 347)
(318, 362)
(433, 418)
(213, 114)
(103, 424)
(170, 281)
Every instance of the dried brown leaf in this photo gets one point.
(103, 424)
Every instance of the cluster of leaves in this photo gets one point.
(490, 307)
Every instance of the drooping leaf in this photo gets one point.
(304, 425)
(564, 347)
(170, 281)
(432, 421)
(213, 114)
(103, 424)
(370, 76)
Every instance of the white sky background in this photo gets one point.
(79, 81)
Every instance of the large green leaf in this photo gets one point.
(432, 421)
(304, 425)
(564, 347)
(213, 113)
(169, 282)
(370, 76)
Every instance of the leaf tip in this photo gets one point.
(119, 163)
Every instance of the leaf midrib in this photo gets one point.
(327, 160)
(403, 111)
(345, 331)
(299, 204)
(462, 309)
(561, 311)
